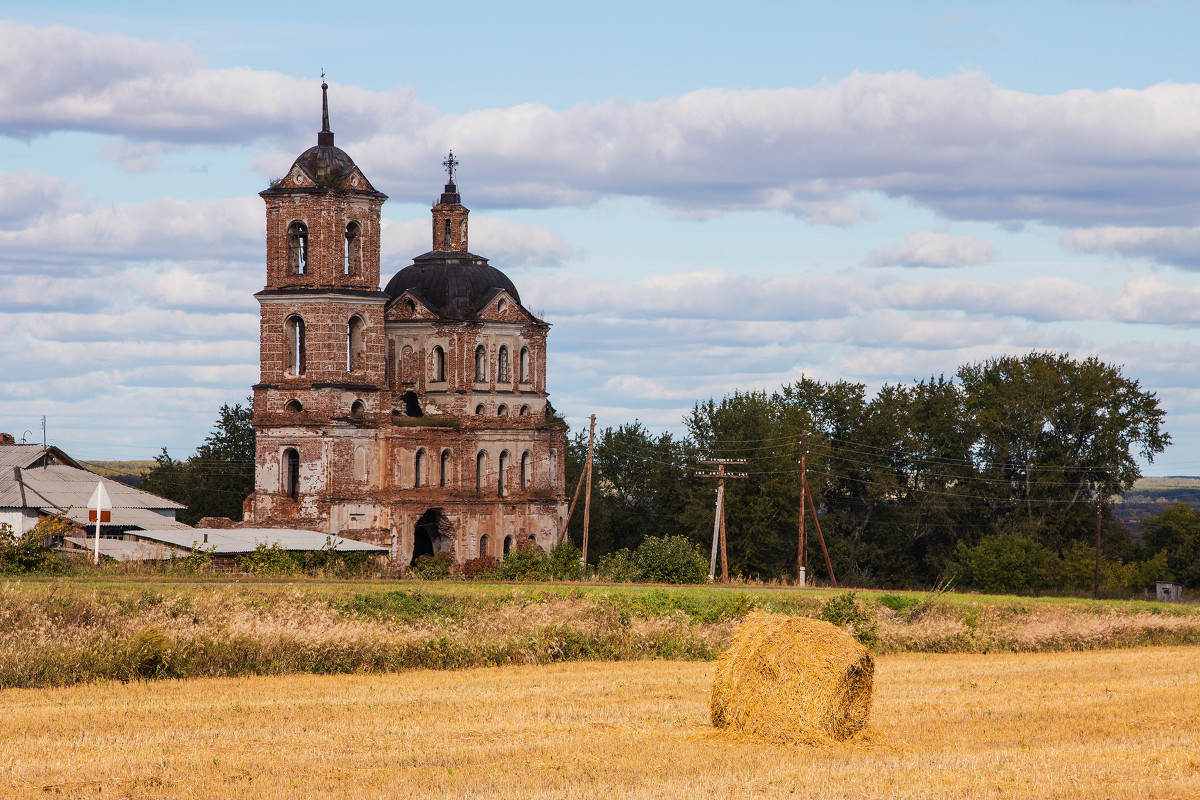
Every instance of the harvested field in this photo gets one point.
(1101, 724)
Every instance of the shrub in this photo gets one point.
(482, 567)
(30, 553)
(845, 612)
(432, 568)
(564, 562)
(670, 559)
(617, 567)
(1007, 563)
(270, 560)
(526, 563)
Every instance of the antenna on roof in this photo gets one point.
(43, 431)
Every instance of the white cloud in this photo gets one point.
(959, 145)
(933, 249)
(1174, 245)
(68, 235)
(55, 79)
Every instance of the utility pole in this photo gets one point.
(1096, 586)
(719, 516)
(806, 494)
(587, 493)
(800, 567)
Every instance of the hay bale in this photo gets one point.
(793, 680)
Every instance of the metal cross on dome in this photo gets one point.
(450, 163)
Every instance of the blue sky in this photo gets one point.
(701, 197)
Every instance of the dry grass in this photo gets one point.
(1107, 724)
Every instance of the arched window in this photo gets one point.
(446, 230)
(355, 345)
(502, 366)
(444, 476)
(353, 263)
(480, 363)
(358, 409)
(524, 365)
(439, 363)
(502, 411)
(294, 331)
(508, 543)
(526, 470)
(483, 545)
(297, 237)
(502, 481)
(419, 477)
(524, 411)
(360, 463)
(479, 410)
(480, 470)
(293, 406)
(289, 477)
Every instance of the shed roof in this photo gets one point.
(122, 550)
(228, 541)
(60, 487)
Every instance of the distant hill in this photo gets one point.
(1149, 496)
(129, 473)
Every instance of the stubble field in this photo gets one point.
(1099, 724)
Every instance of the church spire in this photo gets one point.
(325, 137)
(449, 215)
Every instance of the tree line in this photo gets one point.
(915, 484)
(991, 478)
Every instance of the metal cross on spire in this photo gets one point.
(324, 103)
(450, 163)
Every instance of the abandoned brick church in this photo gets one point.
(415, 417)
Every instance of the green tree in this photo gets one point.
(641, 486)
(1055, 432)
(1175, 532)
(216, 480)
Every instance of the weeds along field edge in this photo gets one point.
(61, 632)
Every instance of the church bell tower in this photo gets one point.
(322, 347)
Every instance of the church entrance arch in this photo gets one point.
(431, 535)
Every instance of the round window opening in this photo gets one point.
(502, 306)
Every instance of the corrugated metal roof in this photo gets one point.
(26, 455)
(124, 517)
(245, 540)
(62, 487)
(122, 550)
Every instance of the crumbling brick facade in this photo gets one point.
(417, 417)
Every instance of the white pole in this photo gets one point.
(96, 559)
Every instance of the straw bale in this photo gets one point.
(793, 680)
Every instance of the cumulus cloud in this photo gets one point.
(933, 249)
(57, 78)
(67, 235)
(1174, 245)
(959, 145)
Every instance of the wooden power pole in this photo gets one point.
(806, 494)
(1096, 586)
(800, 566)
(719, 516)
(587, 492)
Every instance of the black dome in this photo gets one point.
(455, 285)
(320, 161)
